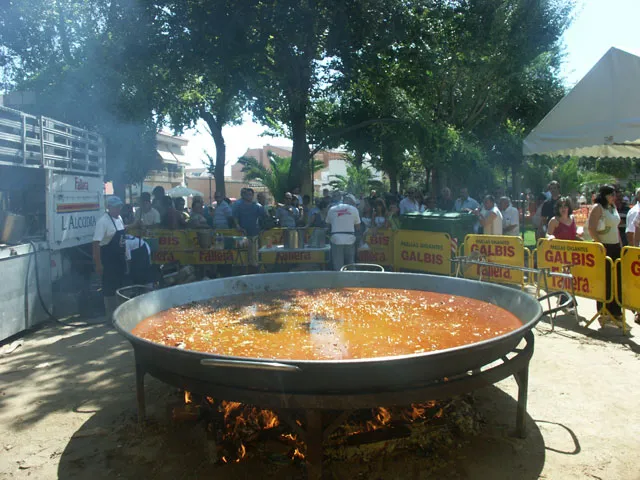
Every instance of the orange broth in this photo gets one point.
(328, 324)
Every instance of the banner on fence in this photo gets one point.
(500, 249)
(177, 240)
(274, 236)
(629, 266)
(200, 257)
(588, 261)
(286, 256)
(379, 248)
(422, 251)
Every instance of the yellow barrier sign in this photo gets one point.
(501, 249)
(588, 262)
(380, 247)
(178, 240)
(293, 256)
(200, 257)
(275, 236)
(422, 251)
(629, 265)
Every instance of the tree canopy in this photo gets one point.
(425, 89)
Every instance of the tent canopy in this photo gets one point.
(599, 117)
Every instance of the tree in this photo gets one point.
(275, 178)
(358, 180)
(208, 55)
(87, 62)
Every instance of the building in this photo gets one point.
(334, 164)
(171, 154)
(199, 179)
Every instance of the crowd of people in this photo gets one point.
(613, 221)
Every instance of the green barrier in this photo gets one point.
(456, 224)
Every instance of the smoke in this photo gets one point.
(89, 65)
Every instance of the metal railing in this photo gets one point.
(41, 142)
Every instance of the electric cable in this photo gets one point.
(42, 302)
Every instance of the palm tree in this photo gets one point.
(358, 180)
(275, 179)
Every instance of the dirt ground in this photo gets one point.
(67, 410)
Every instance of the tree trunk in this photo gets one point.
(358, 159)
(221, 151)
(393, 180)
(435, 181)
(119, 188)
(64, 34)
(390, 165)
(300, 173)
(515, 179)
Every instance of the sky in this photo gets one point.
(597, 26)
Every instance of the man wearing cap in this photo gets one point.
(109, 253)
(343, 219)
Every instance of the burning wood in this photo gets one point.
(241, 431)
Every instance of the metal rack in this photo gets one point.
(476, 258)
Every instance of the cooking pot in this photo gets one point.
(318, 237)
(13, 229)
(199, 371)
(252, 250)
(205, 239)
(294, 238)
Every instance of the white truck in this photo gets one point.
(51, 196)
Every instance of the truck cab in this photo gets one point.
(51, 196)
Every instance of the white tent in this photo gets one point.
(599, 117)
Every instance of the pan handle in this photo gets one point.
(362, 267)
(566, 304)
(124, 291)
(282, 367)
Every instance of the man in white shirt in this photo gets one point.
(632, 215)
(343, 219)
(146, 215)
(490, 217)
(409, 204)
(510, 217)
(465, 203)
(109, 253)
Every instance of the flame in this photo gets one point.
(439, 414)
(228, 407)
(241, 452)
(297, 454)
(383, 416)
(289, 437)
(224, 459)
(417, 411)
(269, 419)
(187, 397)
